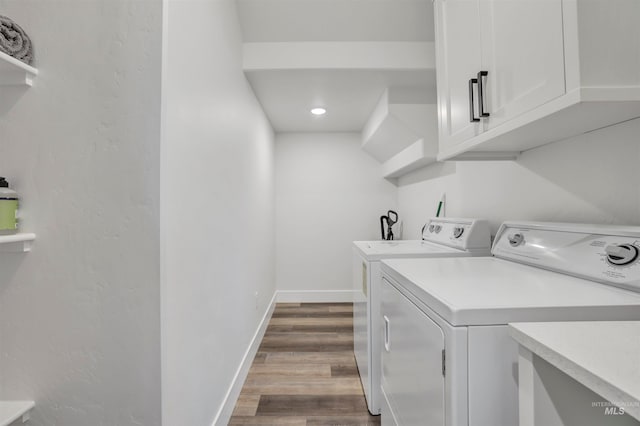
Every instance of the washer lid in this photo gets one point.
(488, 290)
(376, 250)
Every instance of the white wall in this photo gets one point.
(79, 315)
(217, 210)
(328, 193)
(592, 178)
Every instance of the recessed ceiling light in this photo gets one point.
(318, 111)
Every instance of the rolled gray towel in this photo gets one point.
(14, 41)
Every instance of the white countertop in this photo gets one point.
(604, 356)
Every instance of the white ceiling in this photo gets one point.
(336, 20)
(350, 95)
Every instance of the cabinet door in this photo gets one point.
(458, 60)
(523, 52)
(412, 357)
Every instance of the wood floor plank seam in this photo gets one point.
(304, 373)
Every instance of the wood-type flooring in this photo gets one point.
(304, 373)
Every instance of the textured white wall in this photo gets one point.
(79, 316)
(328, 193)
(592, 178)
(217, 210)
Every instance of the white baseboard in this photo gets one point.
(286, 296)
(314, 296)
(230, 399)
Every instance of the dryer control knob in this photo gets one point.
(458, 231)
(622, 254)
(516, 239)
(431, 227)
(438, 229)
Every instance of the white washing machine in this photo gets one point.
(441, 237)
(448, 358)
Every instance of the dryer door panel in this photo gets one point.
(412, 361)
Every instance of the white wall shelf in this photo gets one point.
(17, 242)
(10, 411)
(14, 72)
(402, 132)
(413, 157)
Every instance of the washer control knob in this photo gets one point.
(431, 227)
(622, 254)
(438, 229)
(516, 239)
(458, 231)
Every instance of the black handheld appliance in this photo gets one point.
(391, 219)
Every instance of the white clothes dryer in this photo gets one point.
(441, 237)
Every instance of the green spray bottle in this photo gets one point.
(8, 208)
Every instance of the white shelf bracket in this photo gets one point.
(14, 72)
(17, 243)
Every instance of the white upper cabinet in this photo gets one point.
(458, 60)
(522, 51)
(516, 74)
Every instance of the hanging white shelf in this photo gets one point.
(14, 72)
(10, 411)
(402, 132)
(17, 242)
